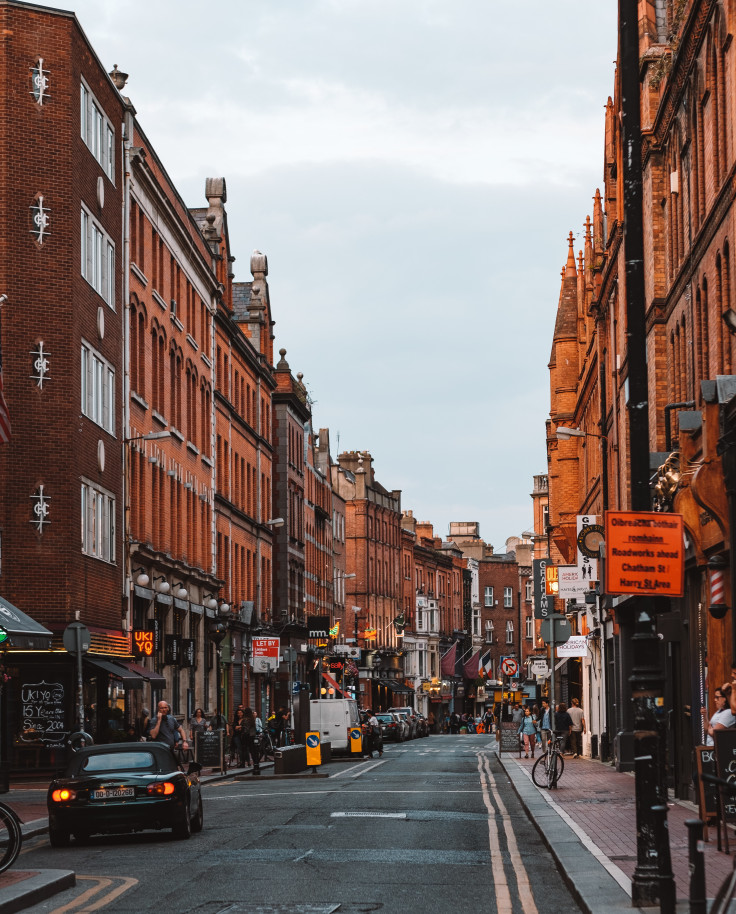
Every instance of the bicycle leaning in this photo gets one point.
(11, 837)
(548, 768)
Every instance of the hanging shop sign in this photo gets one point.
(143, 643)
(645, 553)
(544, 605)
(266, 653)
(576, 646)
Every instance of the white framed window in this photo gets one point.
(530, 627)
(476, 622)
(98, 388)
(96, 131)
(98, 258)
(488, 596)
(509, 632)
(489, 632)
(98, 522)
(508, 597)
(528, 590)
(420, 620)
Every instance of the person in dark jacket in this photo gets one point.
(563, 725)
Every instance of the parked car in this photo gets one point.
(391, 727)
(124, 787)
(407, 715)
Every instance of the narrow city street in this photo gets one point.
(433, 826)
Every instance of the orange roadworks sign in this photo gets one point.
(645, 553)
(355, 737)
(314, 752)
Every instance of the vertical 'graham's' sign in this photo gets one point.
(645, 553)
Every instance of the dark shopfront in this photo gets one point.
(38, 710)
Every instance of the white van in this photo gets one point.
(332, 717)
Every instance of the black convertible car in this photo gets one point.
(124, 787)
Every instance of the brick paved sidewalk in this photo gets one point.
(600, 802)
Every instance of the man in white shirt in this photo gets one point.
(578, 728)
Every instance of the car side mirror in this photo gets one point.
(194, 768)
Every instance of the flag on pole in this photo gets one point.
(470, 668)
(4, 414)
(447, 663)
(485, 664)
(335, 630)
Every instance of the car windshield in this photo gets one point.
(386, 718)
(119, 761)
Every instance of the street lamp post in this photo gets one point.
(217, 632)
(653, 880)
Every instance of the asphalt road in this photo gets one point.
(433, 826)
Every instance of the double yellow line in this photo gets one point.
(504, 903)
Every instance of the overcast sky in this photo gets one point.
(412, 169)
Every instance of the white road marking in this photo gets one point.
(297, 793)
(368, 815)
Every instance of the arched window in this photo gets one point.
(175, 371)
(707, 324)
(719, 311)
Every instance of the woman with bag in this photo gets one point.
(528, 731)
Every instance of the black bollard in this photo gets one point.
(667, 890)
(697, 865)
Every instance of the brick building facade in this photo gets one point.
(61, 258)
(688, 159)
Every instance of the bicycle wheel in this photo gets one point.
(539, 771)
(555, 769)
(11, 838)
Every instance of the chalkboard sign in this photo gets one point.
(708, 800)
(725, 741)
(208, 749)
(42, 712)
(509, 737)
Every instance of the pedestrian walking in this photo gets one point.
(578, 728)
(488, 720)
(237, 748)
(563, 726)
(528, 732)
(249, 731)
(517, 715)
(544, 723)
(198, 723)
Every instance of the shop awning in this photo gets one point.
(24, 633)
(129, 679)
(156, 679)
(396, 686)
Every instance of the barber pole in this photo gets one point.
(716, 573)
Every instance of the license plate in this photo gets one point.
(113, 793)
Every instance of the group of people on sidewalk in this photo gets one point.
(241, 733)
(535, 723)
